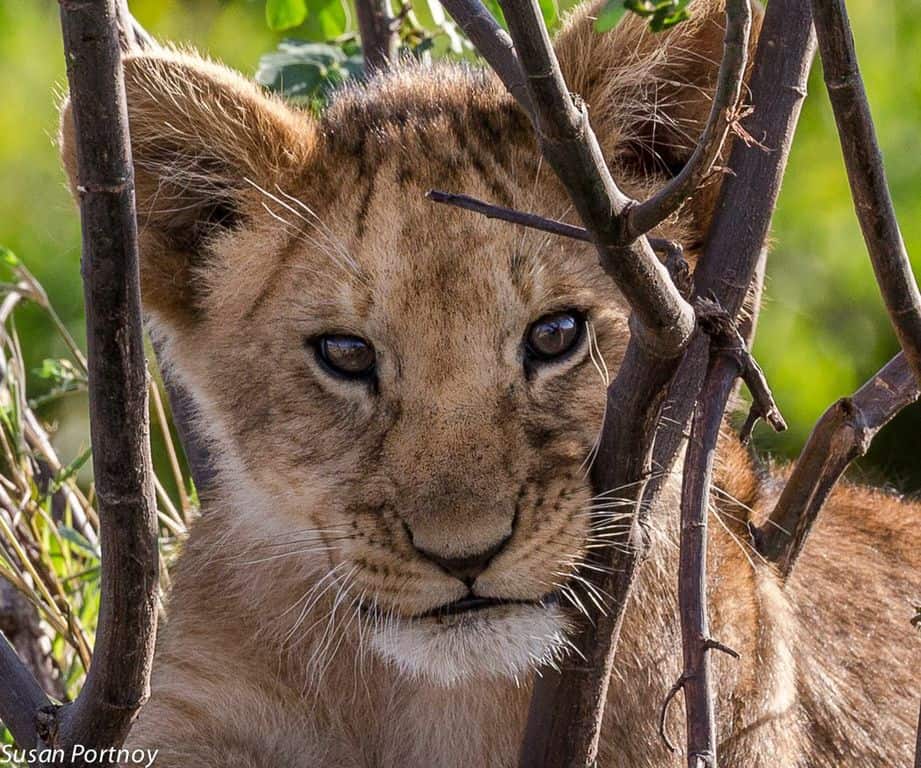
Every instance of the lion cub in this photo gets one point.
(402, 398)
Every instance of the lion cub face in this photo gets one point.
(403, 397)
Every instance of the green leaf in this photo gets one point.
(77, 539)
(609, 16)
(67, 472)
(307, 72)
(285, 14)
(551, 13)
(9, 258)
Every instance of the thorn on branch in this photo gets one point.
(715, 645)
(663, 712)
(726, 339)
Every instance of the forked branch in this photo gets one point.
(747, 199)
(567, 142)
(867, 176)
(842, 434)
(645, 216)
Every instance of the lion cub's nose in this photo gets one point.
(469, 567)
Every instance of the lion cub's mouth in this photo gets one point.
(472, 604)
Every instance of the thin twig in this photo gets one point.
(918, 742)
(717, 323)
(117, 683)
(843, 433)
(645, 216)
(533, 221)
(867, 176)
(571, 148)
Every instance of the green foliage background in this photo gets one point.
(822, 331)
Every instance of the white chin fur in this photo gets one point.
(496, 642)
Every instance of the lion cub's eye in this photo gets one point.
(347, 356)
(554, 335)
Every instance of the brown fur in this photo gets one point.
(262, 228)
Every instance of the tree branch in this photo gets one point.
(843, 433)
(376, 29)
(728, 359)
(118, 680)
(493, 44)
(532, 220)
(131, 35)
(692, 568)
(571, 148)
(645, 216)
(748, 197)
(918, 743)
(21, 697)
(867, 176)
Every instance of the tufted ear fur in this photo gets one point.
(198, 132)
(648, 93)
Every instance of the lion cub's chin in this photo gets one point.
(503, 641)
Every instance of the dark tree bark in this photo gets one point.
(376, 29)
(21, 695)
(696, 678)
(867, 176)
(117, 683)
(843, 433)
(748, 196)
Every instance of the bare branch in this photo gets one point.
(118, 680)
(645, 216)
(748, 196)
(623, 462)
(728, 359)
(717, 323)
(131, 35)
(867, 176)
(493, 44)
(21, 697)
(377, 31)
(843, 433)
(531, 220)
(490, 211)
(571, 148)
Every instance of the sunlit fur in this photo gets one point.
(295, 632)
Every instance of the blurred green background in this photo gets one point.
(822, 332)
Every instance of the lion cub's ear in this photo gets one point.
(201, 136)
(648, 93)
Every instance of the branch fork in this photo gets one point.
(726, 339)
